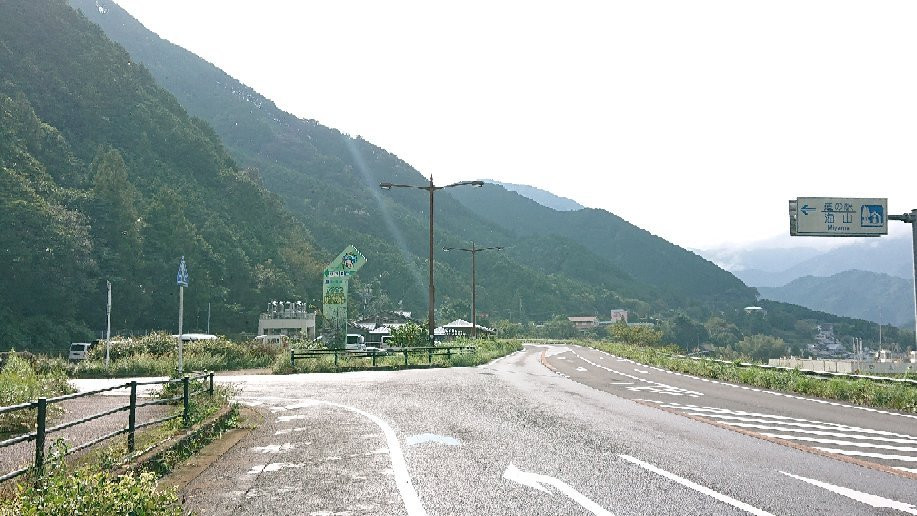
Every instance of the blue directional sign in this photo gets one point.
(838, 216)
(182, 277)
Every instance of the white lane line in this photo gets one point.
(535, 480)
(699, 488)
(641, 371)
(866, 498)
(902, 458)
(838, 442)
(399, 465)
(909, 470)
(581, 369)
(821, 433)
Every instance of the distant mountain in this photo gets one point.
(586, 261)
(774, 267)
(105, 177)
(859, 294)
(542, 197)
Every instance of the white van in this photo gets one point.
(79, 350)
(354, 342)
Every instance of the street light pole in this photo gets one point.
(432, 189)
(474, 251)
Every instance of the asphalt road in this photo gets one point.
(880, 437)
(514, 437)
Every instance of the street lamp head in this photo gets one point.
(385, 186)
(477, 184)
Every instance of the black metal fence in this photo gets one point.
(429, 351)
(42, 431)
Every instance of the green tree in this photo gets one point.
(761, 347)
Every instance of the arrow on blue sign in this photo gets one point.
(805, 209)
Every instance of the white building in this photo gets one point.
(287, 318)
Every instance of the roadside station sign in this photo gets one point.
(838, 217)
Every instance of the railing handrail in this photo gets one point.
(41, 403)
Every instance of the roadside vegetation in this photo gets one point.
(485, 351)
(155, 355)
(23, 380)
(901, 397)
(105, 480)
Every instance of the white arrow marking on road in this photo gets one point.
(535, 480)
(868, 499)
(697, 487)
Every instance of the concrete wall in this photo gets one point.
(845, 366)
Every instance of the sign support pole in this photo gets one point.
(911, 218)
(108, 325)
(181, 314)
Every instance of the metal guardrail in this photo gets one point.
(42, 431)
(430, 351)
(810, 371)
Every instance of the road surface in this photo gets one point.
(514, 437)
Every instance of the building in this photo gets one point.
(287, 318)
(618, 315)
(461, 328)
(584, 323)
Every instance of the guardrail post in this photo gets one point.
(186, 419)
(335, 359)
(292, 358)
(405, 357)
(40, 437)
(210, 390)
(132, 418)
(449, 353)
(374, 359)
(429, 355)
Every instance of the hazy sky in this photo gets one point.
(694, 120)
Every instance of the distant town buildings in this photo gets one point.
(585, 322)
(618, 315)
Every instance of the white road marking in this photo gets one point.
(902, 458)
(399, 465)
(656, 387)
(866, 498)
(273, 448)
(774, 393)
(641, 371)
(275, 466)
(699, 488)
(581, 369)
(838, 442)
(535, 480)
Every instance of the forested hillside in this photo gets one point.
(104, 176)
(330, 181)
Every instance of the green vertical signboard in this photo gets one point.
(335, 279)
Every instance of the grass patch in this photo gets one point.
(22, 381)
(485, 351)
(901, 397)
(157, 355)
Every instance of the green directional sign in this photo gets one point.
(335, 279)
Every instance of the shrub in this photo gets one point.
(19, 383)
(90, 492)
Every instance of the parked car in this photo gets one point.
(354, 342)
(79, 350)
